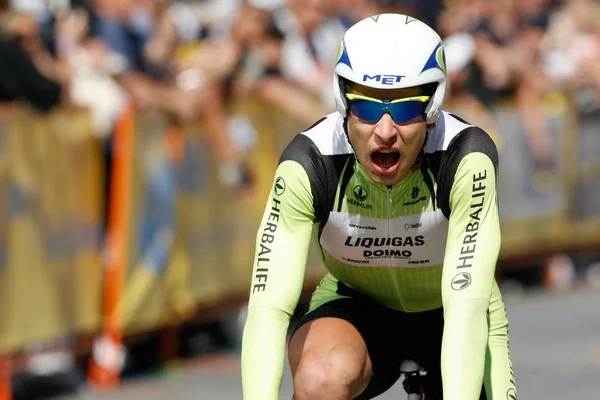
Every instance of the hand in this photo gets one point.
(24, 29)
(72, 26)
(217, 60)
(188, 104)
(236, 178)
(19, 25)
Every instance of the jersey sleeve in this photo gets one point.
(472, 250)
(277, 278)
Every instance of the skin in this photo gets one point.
(407, 139)
(328, 356)
(329, 361)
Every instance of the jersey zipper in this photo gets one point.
(389, 218)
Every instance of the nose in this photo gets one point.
(385, 130)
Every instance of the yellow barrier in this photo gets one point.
(542, 218)
(50, 228)
(180, 243)
(190, 243)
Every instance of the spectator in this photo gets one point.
(247, 59)
(146, 35)
(506, 66)
(27, 71)
(126, 26)
(349, 12)
(310, 45)
(571, 51)
(426, 11)
(92, 67)
(456, 25)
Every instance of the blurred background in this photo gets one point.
(138, 143)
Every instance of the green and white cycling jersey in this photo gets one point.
(430, 241)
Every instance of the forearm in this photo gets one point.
(464, 349)
(499, 376)
(164, 97)
(150, 94)
(301, 105)
(263, 349)
(217, 126)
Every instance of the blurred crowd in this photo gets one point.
(193, 58)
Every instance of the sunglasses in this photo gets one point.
(401, 110)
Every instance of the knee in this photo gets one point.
(336, 374)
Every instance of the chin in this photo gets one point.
(386, 180)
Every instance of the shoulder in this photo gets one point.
(451, 142)
(324, 138)
(456, 138)
(321, 151)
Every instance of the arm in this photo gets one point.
(19, 78)
(277, 278)
(471, 254)
(150, 94)
(499, 376)
(292, 100)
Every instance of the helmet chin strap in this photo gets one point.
(417, 162)
(421, 154)
(345, 126)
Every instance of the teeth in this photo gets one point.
(387, 151)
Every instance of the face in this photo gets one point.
(251, 24)
(310, 13)
(386, 149)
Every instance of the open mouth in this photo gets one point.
(385, 161)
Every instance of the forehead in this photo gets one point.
(385, 94)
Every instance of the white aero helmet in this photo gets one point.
(391, 51)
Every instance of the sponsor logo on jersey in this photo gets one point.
(461, 281)
(355, 261)
(412, 241)
(511, 394)
(267, 243)
(415, 201)
(412, 226)
(415, 192)
(387, 253)
(397, 241)
(360, 196)
(279, 187)
(467, 251)
(360, 193)
(369, 227)
(389, 242)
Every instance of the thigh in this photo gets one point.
(363, 324)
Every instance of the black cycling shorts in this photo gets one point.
(391, 336)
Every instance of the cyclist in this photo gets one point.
(400, 198)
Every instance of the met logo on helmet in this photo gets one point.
(384, 79)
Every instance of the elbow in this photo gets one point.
(467, 309)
